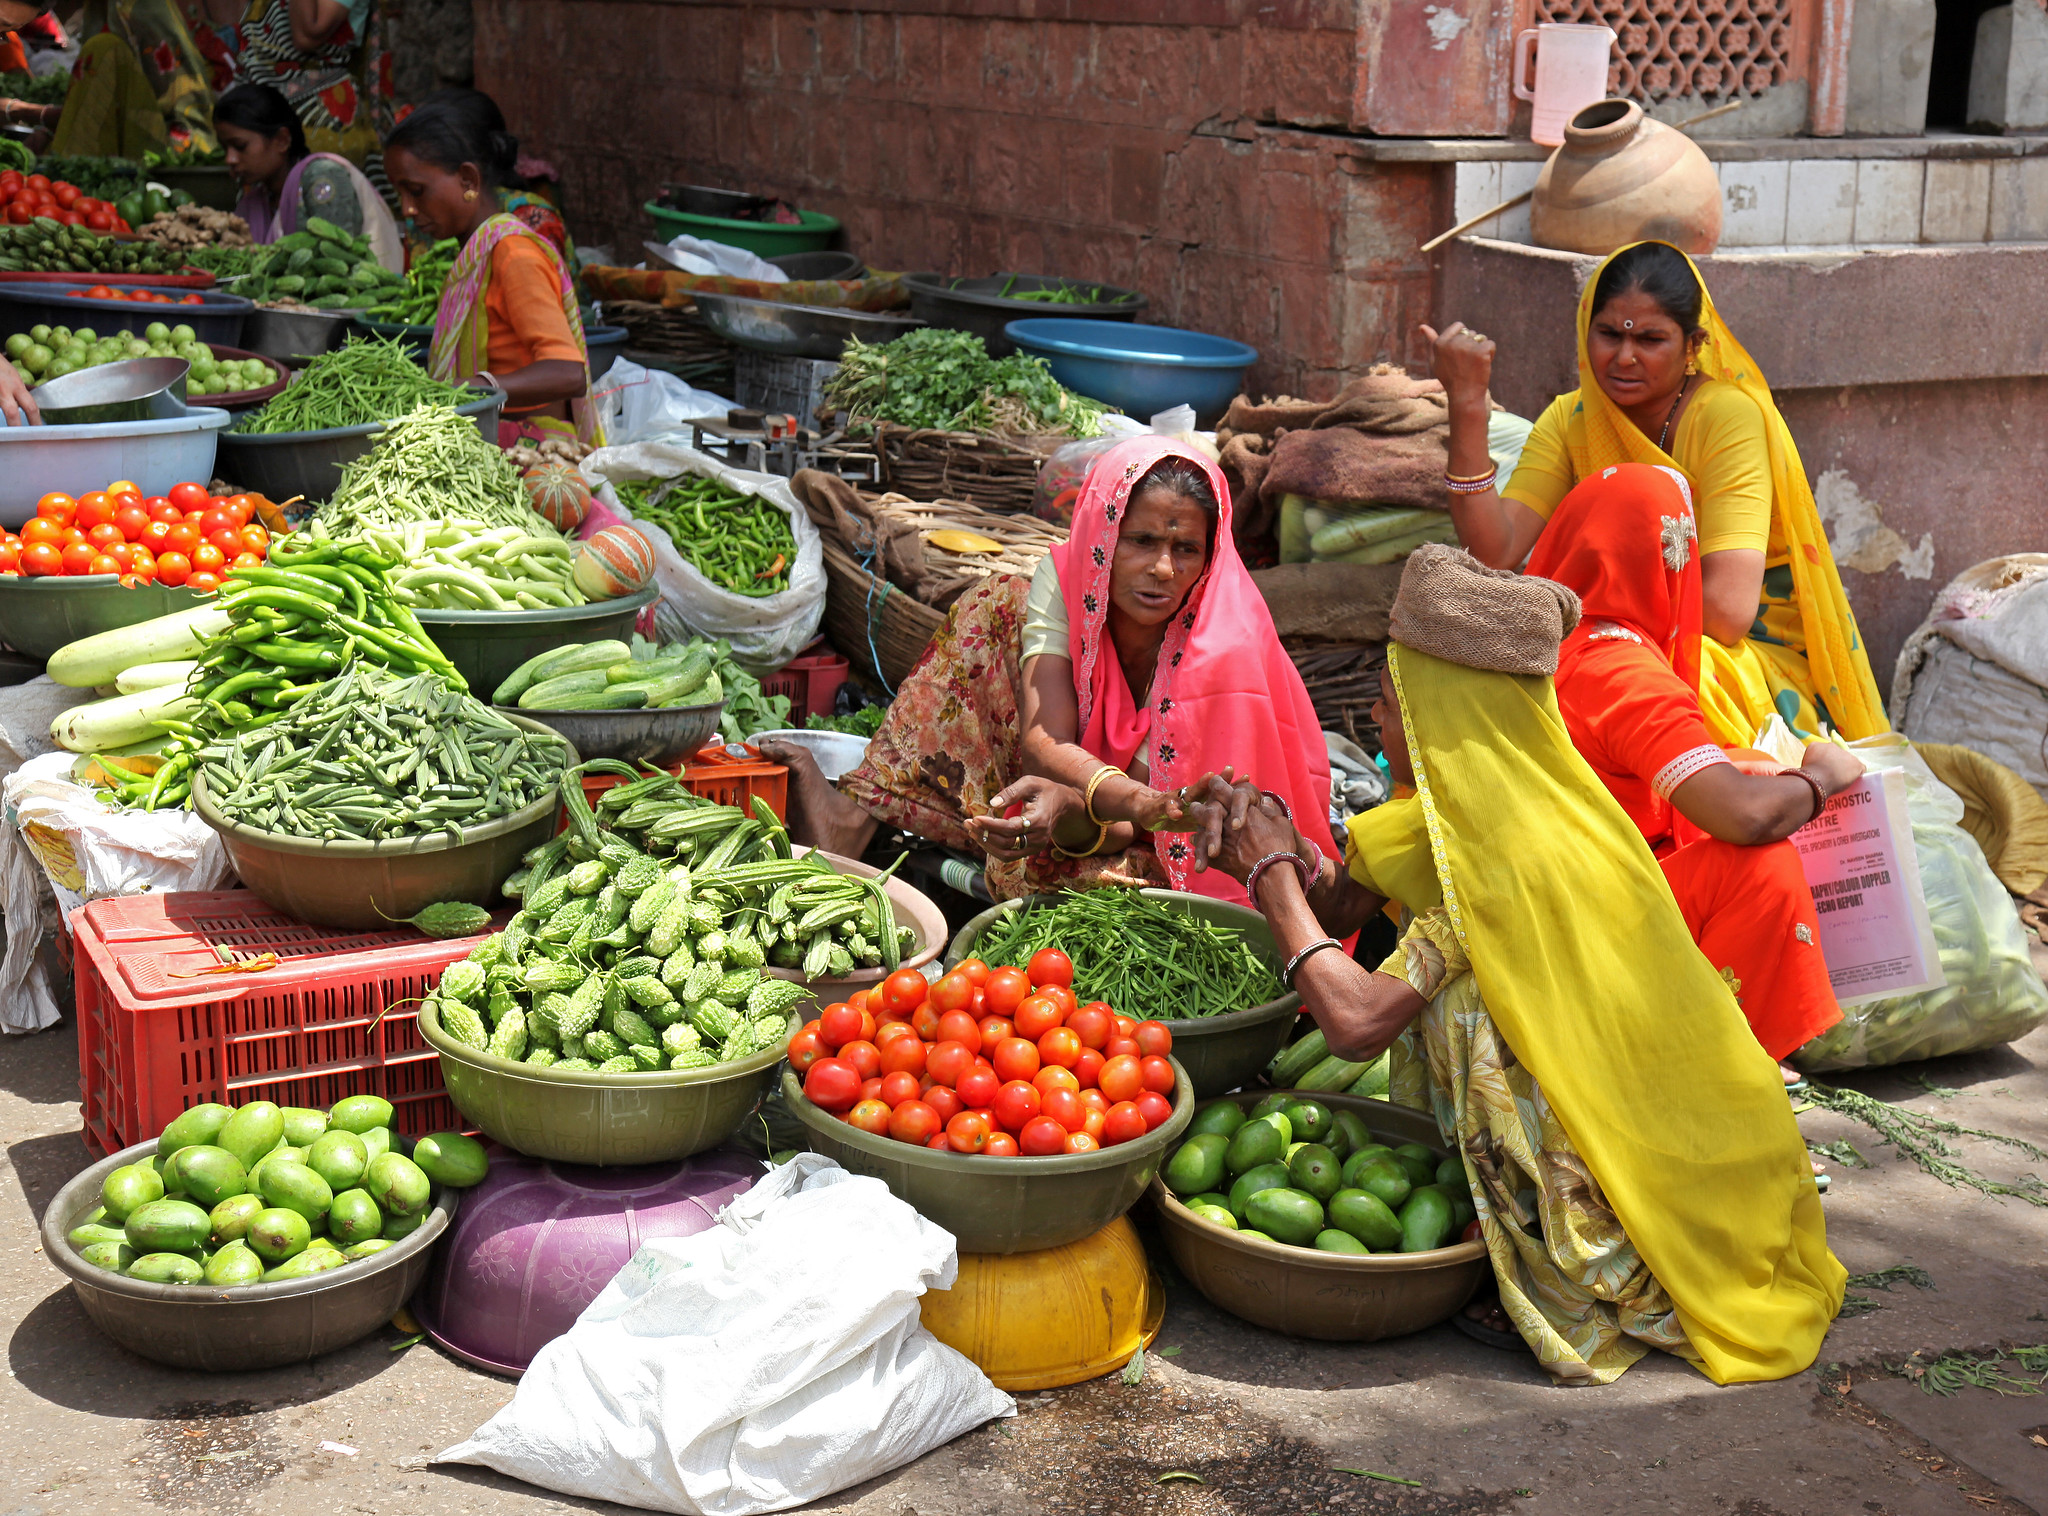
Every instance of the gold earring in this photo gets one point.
(471, 195)
(1692, 365)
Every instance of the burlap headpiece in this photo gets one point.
(1454, 607)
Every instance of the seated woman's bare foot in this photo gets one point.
(1487, 1312)
(1792, 1075)
(819, 816)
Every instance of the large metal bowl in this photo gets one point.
(1338, 1297)
(983, 307)
(292, 337)
(795, 331)
(912, 908)
(135, 389)
(658, 736)
(38, 616)
(485, 646)
(258, 1326)
(308, 465)
(1219, 1052)
(1000, 1205)
(602, 1119)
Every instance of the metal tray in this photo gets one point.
(795, 331)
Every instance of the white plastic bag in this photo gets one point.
(635, 403)
(765, 633)
(1993, 994)
(756, 1366)
(87, 851)
(712, 260)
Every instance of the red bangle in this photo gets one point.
(1820, 794)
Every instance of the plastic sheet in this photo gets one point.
(1993, 994)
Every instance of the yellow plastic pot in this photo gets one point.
(1099, 1290)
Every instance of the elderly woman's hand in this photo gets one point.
(1235, 825)
(1047, 812)
(1461, 359)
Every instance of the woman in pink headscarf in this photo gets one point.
(1051, 723)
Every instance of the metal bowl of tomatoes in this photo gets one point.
(1014, 1132)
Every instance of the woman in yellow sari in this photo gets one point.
(1638, 1176)
(1663, 381)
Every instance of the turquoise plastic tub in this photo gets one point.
(766, 238)
(1141, 370)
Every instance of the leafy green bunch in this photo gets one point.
(934, 377)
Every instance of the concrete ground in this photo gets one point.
(1265, 1423)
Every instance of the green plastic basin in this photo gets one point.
(1220, 1053)
(372, 884)
(767, 238)
(1338, 1297)
(38, 616)
(602, 1119)
(485, 646)
(1000, 1205)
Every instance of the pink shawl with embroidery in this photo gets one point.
(1225, 691)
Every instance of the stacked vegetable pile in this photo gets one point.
(737, 540)
(1001, 1063)
(323, 268)
(614, 676)
(449, 510)
(263, 1193)
(627, 959)
(102, 178)
(196, 226)
(187, 537)
(1300, 1175)
(936, 377)
(50, 352)
(368, 757)
(1310, 1065)
(416, 303)
(1140, 952)
(44, 244)
(365, 380)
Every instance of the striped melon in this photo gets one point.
(616, 561)
(558, 495)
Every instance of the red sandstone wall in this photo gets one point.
(1169, 157)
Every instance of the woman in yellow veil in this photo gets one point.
(1637, 1173)
(1663, 381)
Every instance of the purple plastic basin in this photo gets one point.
(536, 1242)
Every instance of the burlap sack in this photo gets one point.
(1455, 608)
(1346, 466)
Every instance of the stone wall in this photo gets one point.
(1168, 147)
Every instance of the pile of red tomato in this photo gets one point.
(187, 537)
(1000, 1063)
(139, 296)
(27, 196)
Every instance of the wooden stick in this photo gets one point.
(1507, 205)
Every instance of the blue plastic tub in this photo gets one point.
(1141, 370)
(217, 320)
(34, 460)
(605, 344)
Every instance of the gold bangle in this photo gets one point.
(1450, 478)
(1101, 836)
(1088, 798)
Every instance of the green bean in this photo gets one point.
(366, 379)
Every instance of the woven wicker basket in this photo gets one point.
(995, 473)
(870, 621)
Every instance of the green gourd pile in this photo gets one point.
(261, 1193)
(324, 267)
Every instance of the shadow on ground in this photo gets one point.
(44, 1165)
(42, 1067)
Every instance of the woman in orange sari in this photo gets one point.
(1625, 541)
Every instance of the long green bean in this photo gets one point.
(429, 466)
(738, 541)
(1139, 954)
(366, 379)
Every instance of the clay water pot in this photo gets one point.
(1620, 178)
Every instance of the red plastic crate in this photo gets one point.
(156, 1037)
(716, 775)
(811, 680)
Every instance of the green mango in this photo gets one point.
(1309, 1120)
(1266, 1176)
(339, 1158)
(167, 1226)
(1314, 1168)
(1259, 1141)
(278, 1234)
(1348, 1134)
(232, 1216)
(199, 1125)
(376, 1142)
(1197, 1164)
(294, 1186)
(398, 1185)
(1330, 1240)
(367, 1248)
(304, 1265)
(111, 1256)
(1287, 1215)
(354, 1218)
(452, 1159)
(85, 1236)
(1277, 1101)
(302, 1127)
(253, 1131)
(128, 1189)
(398, 1228)
(1208, 1197)
(322, 1241)
(1217, 1214)
(359, 1113)
(1419, 1161)
(1222, 1117)
(1425, 1220)
(166, 1268)
(1365, 1216)
(1450, 1175)
(1383, 1175)
(208, 1174)
(233, 1266)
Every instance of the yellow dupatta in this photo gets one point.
(1588, 971)
(1740, 687)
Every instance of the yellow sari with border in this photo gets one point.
(1676, 1120)
(1804, 658)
